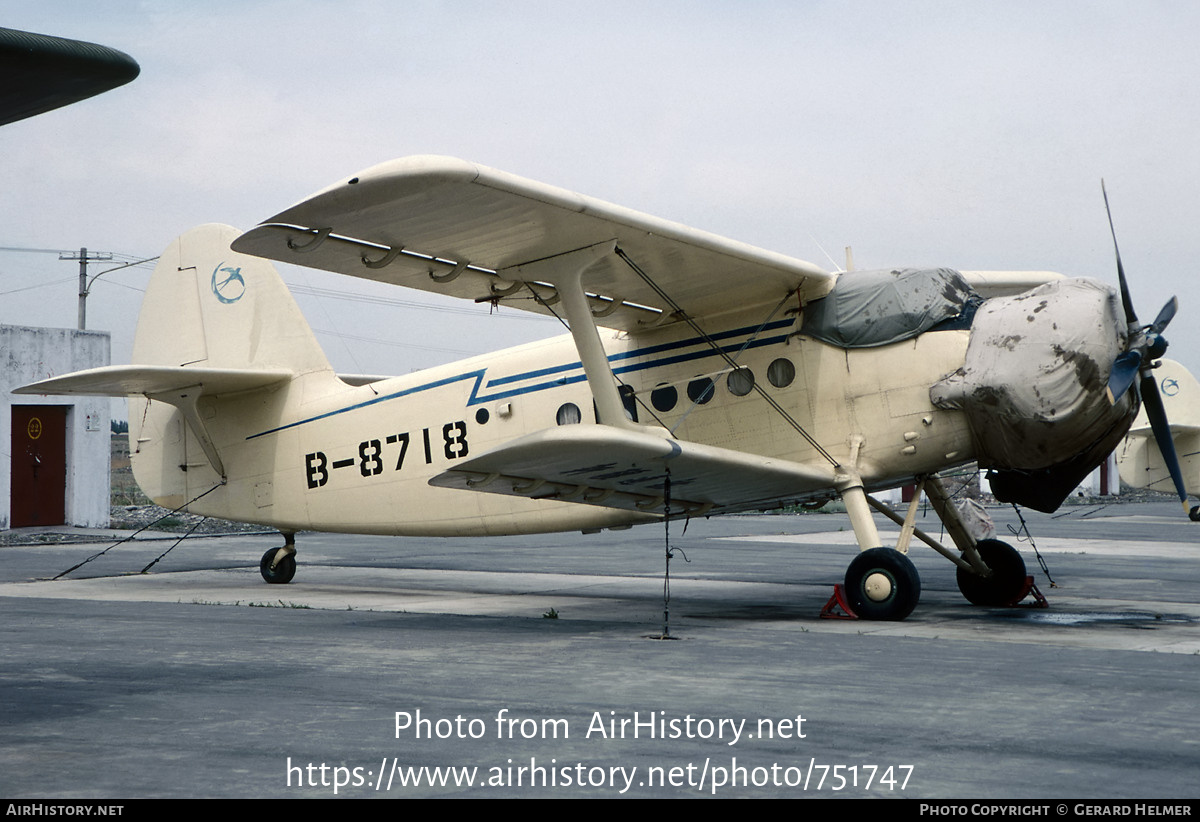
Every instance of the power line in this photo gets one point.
(39, 285)
(83, 256)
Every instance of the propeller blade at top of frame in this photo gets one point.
(1127, 303)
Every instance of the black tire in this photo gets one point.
(883, 584)
(1007, 582)
(283, 572)
(1194, 514)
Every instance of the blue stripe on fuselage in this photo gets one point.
(641, 352)
(476, 398)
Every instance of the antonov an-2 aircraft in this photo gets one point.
(700, 376)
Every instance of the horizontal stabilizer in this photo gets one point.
(152, 380)
(179, 386)
(620, 468)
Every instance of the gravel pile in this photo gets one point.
(133, 518)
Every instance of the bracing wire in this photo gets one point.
(99, 554)
(683, 315)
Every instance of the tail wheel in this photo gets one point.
(283, 570)
(1006, 584)
(883, 584)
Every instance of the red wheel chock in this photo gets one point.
(1039, 601)
(838, 600)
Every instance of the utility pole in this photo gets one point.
(86, 285)
(84, 258)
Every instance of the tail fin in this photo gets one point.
(208, 308)
(221, 352)
(211, 307)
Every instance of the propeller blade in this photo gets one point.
(1125, 369)
(1165, 316)
(1162, 433)
(1145, 345)
(1127, 303)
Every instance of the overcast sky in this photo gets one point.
(969, 135)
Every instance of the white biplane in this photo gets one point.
(700, 376)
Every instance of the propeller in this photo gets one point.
(1146, 345)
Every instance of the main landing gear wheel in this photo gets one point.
(882, 583)
(283, 570)
(1007, 582)
(1194, 514)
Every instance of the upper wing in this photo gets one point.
(453, 227)
(990, 284)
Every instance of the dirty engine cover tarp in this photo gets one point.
(870, 308)
(1033, 382)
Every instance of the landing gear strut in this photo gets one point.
(881, 583)
(278, 565)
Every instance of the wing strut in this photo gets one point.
(566, 272)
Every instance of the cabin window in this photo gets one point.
(700, 390)
(664, 397)
(781, 372)
(740, 381)
(568, 414)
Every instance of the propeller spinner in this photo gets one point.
(1146, 345)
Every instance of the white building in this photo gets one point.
(54, 451)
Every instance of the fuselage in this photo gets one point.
(319, 454)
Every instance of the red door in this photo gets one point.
(39, 465)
